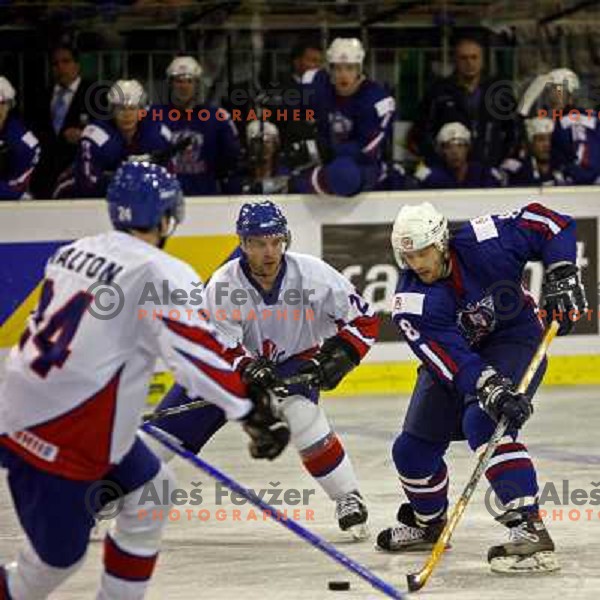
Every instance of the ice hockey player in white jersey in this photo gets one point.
(75, 388)
(287, 313)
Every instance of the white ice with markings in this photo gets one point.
(230, 555)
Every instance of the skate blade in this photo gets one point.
(359, 533)
(540, 562)
(409, 549)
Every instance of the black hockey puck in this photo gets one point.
(339, 586)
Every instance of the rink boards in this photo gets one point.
(351, 234)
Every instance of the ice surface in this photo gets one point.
(262, 560)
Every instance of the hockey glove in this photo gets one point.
(268, 435)
(564, 296)
(261, 374)
(498, 398)
(335, 359)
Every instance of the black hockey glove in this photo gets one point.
(268, 435)
(564, 296)
(498, 398)
(334, 360)
(261, 374)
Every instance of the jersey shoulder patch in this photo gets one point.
(30, 140)
(512, 165)
(96, 134)
(408, 302)
(422, 172)
(384, 106)
(484, 228)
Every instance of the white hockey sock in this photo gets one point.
(320, 448)
(29, 578)
(131, 547)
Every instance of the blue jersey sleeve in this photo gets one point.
(535, 233)
(427, 321)
(92, 162)
(24, 153)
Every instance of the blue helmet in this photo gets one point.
(141, 193)
(261, 219)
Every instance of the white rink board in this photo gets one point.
(56, 220)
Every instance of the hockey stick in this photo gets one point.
(304, 379)
(417, 580)
(308, 536)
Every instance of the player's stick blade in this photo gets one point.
(415, 582)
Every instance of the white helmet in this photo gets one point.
(184, 66)
(7, 91)
(415, 228)
(346, 50)
(538, 126)
(127, 92)
(565, 77)
(453, 132)
(265, 128)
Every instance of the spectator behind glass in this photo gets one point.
(454, 143)
(535, 167)
(305, 56)
(575, 141)
(481, 105)
(58, 119)
(19, 148)
(265, 173)
(210, 147)
(106, 144)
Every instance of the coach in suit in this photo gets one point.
(59, 118)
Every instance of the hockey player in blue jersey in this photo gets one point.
(576, 138)
(208, 164)
(536, 166)
(19, 148)
(354, 117)
(453, 142)
(461, 307)
(106, 144)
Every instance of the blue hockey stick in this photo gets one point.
(300, 531)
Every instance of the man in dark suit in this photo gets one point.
(59, 119)
(486, 107)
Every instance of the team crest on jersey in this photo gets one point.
(189, 160)
(341, 126)
(476, 320)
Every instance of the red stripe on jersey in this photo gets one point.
(536, 226)
(539, 209)
(321, 460)
(230, 381)
(456, 280)
(124, 565)
(360, 347)
(368, 328)
(82, 437)
(198, 336)
(444, 357)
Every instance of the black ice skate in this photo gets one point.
(529, 548)
(351, 513)
(409, 536)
